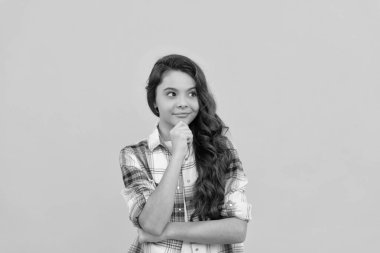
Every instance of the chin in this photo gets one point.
(175, 122)
(186, 120)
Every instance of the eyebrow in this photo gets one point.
(170, 88)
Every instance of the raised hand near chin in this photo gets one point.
(181, 137)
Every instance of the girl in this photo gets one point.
(184, 184)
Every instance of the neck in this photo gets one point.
(164, 131)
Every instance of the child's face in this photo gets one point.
(176, 99)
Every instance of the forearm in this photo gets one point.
(159, 206)
(224, 231)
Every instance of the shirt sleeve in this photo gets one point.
(138, 186)
(235, 199)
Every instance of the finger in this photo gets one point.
(180, 123)
(187, 134)
(189, 139)
(183, 125)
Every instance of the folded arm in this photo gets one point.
(224, 231)
(150, 206)
(159, 207)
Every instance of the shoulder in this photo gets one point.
(130, 153)
(138, 147)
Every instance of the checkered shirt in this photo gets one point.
(143, 166)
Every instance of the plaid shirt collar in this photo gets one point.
(154, 139)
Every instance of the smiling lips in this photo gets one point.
(181, 115)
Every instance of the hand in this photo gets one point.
(181, 137)
(146, 237)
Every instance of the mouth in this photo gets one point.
(181, 115)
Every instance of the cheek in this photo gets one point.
(162, 103)
(196, 106)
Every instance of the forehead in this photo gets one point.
(177, 80)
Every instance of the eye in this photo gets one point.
(171, 94)
(193, 94)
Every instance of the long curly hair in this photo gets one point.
(212, 155)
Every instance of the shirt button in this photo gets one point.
(180, 209)
(230, 204)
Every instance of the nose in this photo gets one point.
(182, 102)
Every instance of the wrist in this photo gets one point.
(178, 156)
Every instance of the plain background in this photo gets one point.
(296, 81)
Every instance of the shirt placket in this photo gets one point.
(188, 179)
